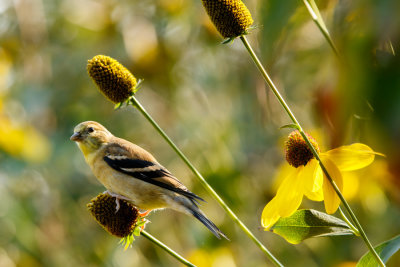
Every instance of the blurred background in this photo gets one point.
(212, 102)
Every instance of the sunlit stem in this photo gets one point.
(315, 153)
(205, 184)
(355, 230)
(321, 25)
(167, 249)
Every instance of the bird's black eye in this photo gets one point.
(90, 129)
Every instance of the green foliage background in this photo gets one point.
(212, 101)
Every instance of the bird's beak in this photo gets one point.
(76, 137)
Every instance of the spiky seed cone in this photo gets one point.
(119, 224)
(230, 17)
(297, 151)
(114, 80)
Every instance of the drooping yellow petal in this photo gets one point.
(270, 214)
(312, 181)
(331, 199)
(318, 180)
(290, 193)
(352, 157)
(282, 173)
(287, 200)
(315, 196)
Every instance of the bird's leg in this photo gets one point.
(117, 198)
(144, 213)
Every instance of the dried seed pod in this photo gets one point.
(121, 223)
(230, 17)
(114, 80)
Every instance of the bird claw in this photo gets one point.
(145, 213)
(117, 198)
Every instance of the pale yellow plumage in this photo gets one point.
(130, 172)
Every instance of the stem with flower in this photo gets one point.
(297, 125)
(134, 102)
(119, 85)
(126, 223)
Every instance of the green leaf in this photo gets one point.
(118, 105)
(319, 17)
(127, 241)
(384, 250)
(292, 126)
(305, 224)
(228, 40)
(138, 86)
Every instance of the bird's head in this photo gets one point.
(90, 135)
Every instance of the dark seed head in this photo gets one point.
(114, 80)
(120, 224)
(297, 151)
(230, 17)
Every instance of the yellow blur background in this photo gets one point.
(212, 102)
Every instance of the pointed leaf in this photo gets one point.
(384, 250)
(292, 126)
(228, 40)
(305, 224)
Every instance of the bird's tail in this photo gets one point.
(198, 214)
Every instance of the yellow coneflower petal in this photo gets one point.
(312, 180)
(290, 193)
(307, 175)
(315, 196)
(285, 202)
(331, 199)
(270, 214)
(352, 157)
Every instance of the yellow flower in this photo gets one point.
(305, 176)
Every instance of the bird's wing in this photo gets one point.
(122, 160)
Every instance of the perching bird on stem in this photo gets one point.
(131, 173)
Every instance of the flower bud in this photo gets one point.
(114, 80)
(230, 17)
(120, 223)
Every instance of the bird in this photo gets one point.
(130, 173)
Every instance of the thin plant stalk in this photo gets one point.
(133, 101)
(355, 230)
(315, 153)
(167, 249)
(316, 17)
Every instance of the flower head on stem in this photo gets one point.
(230, 17)
(306, 177)
(114, 81)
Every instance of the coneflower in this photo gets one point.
(115, 81)
(120, 223)
(230, 17)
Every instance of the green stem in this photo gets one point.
(315, 153)
(167, 249)
(321, 26)
(355, 230)
(136, 104)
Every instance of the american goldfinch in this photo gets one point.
(131, 173)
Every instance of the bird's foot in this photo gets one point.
(117, 198)
(145, 213)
